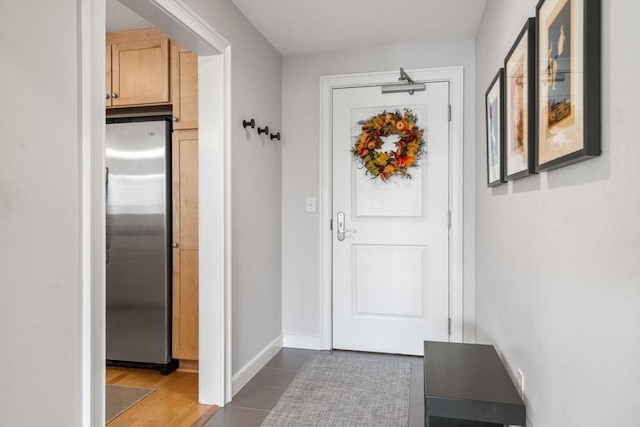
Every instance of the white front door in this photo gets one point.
(391, 273)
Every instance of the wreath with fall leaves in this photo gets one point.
(409, 148)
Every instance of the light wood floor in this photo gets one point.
(174, 403)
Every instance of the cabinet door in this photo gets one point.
(107, 85)
(185, 239)
(140, 72)
(184, 87)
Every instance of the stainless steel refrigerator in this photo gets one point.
(138, 254)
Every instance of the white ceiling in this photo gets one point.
(297, 27)
(311, 26)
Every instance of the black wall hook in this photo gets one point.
(275, 136)
(264, 130)
(251, 123)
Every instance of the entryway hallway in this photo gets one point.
(252, 404)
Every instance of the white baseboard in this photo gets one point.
(309, 342)
(249, 370)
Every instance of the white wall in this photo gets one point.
(300, 169)
(558, 254)
(40, 212)
(256, 92)
(40, 263)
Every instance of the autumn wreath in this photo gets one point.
(409, 146)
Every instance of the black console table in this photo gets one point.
(466, 385)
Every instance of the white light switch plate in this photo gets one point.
(311, 204)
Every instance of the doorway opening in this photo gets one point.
(183, 24)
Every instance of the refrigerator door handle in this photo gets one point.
(106, 197)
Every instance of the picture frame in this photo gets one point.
(520, 97)
(568, 111)
(494, 110)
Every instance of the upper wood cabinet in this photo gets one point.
(139, 71)
(184, 87)
(107, 62)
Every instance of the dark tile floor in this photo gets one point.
(252, 404)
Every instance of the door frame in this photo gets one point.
(452, 75)
(214, 61)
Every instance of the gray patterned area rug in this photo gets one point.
(119, 398)
(345, 391)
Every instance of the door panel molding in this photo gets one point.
(453, 75)
(398, 304)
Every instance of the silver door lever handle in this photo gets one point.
(341, 230)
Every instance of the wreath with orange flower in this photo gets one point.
(386, 164)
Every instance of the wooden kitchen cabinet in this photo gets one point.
(139, 68)
(107, 62)
(185, 245)
(184, 87)
(184, 101)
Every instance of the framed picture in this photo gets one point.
(519, 70)
(494, 105)
(568, 82)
